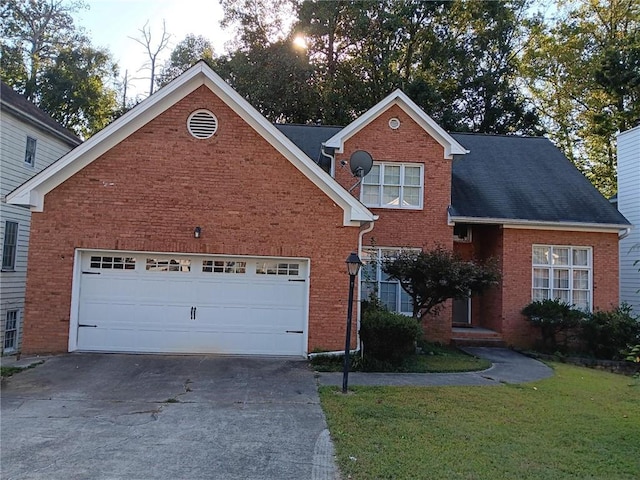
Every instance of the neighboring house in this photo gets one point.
(30, 141)
(192, 224)
(629, 205)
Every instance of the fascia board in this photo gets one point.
(398, 97)
(539, 225)
(24, 116)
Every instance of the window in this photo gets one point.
(172, 265)
(224, 266)
(563, 273)
(375, 281)
(275, 268)
(113, 263)
(9, 245)
(30, 153)
(11, 331)
(393, 185)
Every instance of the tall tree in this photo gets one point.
(50, 61)
(278, 80)
(189, 51)
(583, 73)
(74, 89)
(257, 23)
(152, 49)
(33, 32)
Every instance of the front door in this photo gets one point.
(462, 311)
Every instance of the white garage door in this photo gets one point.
(141, 302)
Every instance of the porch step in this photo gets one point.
(476, 337)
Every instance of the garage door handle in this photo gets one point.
(296, 279)
(85, 325)
(193, 313)
(295, 331)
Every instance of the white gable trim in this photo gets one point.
(32, 192)
(399, 98)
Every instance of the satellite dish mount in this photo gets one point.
(360, 163)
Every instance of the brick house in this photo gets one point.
(191, 224)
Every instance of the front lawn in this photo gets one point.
(579, 424)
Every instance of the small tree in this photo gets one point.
(433, 277)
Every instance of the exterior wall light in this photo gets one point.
(197, 232)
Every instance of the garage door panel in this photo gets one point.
(195, 311)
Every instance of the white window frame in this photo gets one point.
(379, 254)
(552, 267)
(10, 242)
(402, 186)
(14, 345)
(30, 152)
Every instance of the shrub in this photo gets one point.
(552, 317)
(387, 336)
(608, 334)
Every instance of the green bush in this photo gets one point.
(387, 336)
(608, 334)
(552, 317)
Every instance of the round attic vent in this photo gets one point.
(394, 123)
(202, 124)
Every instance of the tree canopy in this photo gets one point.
(52, 63)
(435, 276)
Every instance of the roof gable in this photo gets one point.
(399, 98)
(33, 192)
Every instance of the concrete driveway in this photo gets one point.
(109, 416)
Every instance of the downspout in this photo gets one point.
(359, 300)
(338, 353)
(331, 157)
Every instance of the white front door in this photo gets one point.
(146, 302)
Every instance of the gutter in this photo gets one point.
(541, 225)
(624, 233)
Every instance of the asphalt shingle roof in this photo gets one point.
(524, 178)
(503, 177)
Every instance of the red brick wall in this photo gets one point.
(423, 228)
(516, 283)
(151, 190)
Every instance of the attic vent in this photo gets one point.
(394, 123)
(202, 124)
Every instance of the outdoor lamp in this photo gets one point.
(197, 232)
(353, 266)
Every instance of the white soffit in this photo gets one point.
(33, 191)
(398, 97)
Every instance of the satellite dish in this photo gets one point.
(360, 163)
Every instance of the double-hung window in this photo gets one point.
(9, 245)
(563, 273)
(30, 152)
(393, 185)
(376, 282)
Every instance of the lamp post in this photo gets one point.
(353, 266)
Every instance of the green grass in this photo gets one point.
(579, 424)
(436, 359)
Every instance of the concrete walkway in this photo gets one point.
(508, 367)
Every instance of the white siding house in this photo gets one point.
(30, 141)
(629, 206)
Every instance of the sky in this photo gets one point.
(110, 23)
